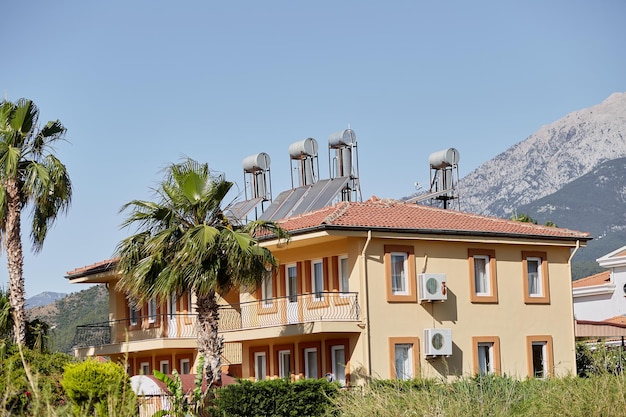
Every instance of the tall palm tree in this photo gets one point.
(185, 241)
(30, 175)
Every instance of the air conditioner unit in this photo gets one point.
(432, 287)
(437, 342)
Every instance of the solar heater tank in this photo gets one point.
(257, 162)
(303, 149)
(444, 158)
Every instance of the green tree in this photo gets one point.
(185, 241)
(30, 176)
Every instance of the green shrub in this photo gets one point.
(47, 370)
(277, 397)
(103, 387)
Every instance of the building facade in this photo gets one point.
(386, 289)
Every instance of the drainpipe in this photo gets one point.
(368, 344)
(569, 264)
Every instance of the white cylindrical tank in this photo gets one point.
(444, 158)
(304, 148)
(340, 139)
(257, 162)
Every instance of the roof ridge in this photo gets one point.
(338, 212)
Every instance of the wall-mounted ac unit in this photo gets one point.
(432, 287)
(437, 342)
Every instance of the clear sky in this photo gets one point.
(140, 84)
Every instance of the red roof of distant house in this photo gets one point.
(597, 279)
(401, 216)
(92, 269)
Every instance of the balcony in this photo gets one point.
(275, 312)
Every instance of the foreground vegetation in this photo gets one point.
(39, 384)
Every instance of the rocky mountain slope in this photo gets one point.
(87, 306)
(550, 158)
(43, 299)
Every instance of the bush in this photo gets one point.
(47, 370)
(102, 387)
(603, 359)
(277, 397)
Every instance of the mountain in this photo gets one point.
(595, 203)
(547, 160)
(43, 299)
(87, 306)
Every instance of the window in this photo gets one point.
(403, 357)
(144, 368)
(483, 282)
(292, 283)
(338, 363)
(185, 366)
(344, 274)
(540, 356)
(284, 363)
(133, 316)
(486, 355)
(400, 273)
(399, 284)
(317, 279)
(404, 363)
(189, 305)
(267, 293)
(535, 271)
(164, 366)
(310, 363)
(171, 306)
(260, 365)
(152, 311)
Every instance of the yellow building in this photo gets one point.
(382, 289)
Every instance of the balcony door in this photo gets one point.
(291, 285)
(172, 324)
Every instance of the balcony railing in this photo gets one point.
(298, 309)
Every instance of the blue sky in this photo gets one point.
(141, 84)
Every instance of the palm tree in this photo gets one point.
(30, 175)
(185, 241)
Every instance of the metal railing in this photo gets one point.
(298, 309)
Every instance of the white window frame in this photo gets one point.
(338, 369)
(544, 359)
(267, 294)
(144, 368)
(344, 275)
(405, 372)
(284, 355)
(310, 370)
(164, 366)
(400, 285)
(185, 363)
(172, 306)
(292, 297)
(152, 310)
(486, 358)
(317, 279)
(260, 366)
(133, 316)
(539, 291)
(486, 278)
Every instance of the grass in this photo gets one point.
(598, 395)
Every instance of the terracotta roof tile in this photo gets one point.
(597, 279)
(617, 320)
(399, 215)
(83, 270)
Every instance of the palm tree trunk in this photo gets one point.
(15, 260)
(210, 343)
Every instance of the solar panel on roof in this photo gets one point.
(241, 209)
(321, 195)
(268, 213)
(294, 199)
